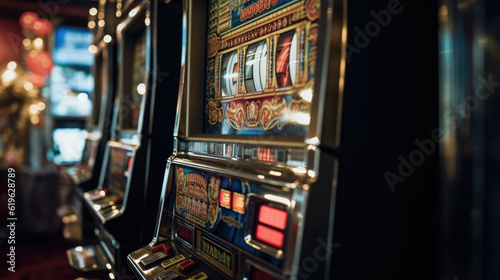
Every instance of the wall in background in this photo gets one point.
(11, 38)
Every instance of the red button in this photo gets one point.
(186, 265)
(162, 247)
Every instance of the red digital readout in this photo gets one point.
(239, 203)
(185, 233)
(225, 198)
(272, 217)
(269, 236)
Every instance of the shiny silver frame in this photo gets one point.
(311, 184)
(136, 15)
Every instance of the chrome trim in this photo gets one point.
(329, 74)
(122, 28)
(165, 190)
(288, 178)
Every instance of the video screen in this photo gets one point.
(260, 67)
(68, 145)
(132, 100)
(118, 170)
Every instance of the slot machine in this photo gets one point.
(249, 192)
(133, 165)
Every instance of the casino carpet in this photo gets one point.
(40, 257)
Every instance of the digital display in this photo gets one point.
(272, 217)
(270, 236)
(118, 167)
(260, 66)
(89, 153)
(69, 144)
(132, 100)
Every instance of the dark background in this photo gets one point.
(390, 100)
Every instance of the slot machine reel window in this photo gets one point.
(133, 96)
(260, 67)
(119, 164)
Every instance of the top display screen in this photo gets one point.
(133, 98)
(260, 64)
(118, 170)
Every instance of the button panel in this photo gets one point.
(152, 259)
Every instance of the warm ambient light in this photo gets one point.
(93, 11)
(28, 86)
(8, 76)
(278, 199)
(301, 118)
(133, 12)
(83, 97)
(40, 106)
(101, 23)
(91, 24)
(141, 89)
(93, 49)
(12, 65)
(306, 95)
(26, 42)
(35, 119)
(107, 38)
(38, 43)
(147, 21)
(33, 109)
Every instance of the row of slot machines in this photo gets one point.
(217, 126)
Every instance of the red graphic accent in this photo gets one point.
(235, 114)
(283, 61)
(265, 154)
(312, 9)
(225, 198)
(213, 45)
(235, 73)
(239, 203)
(252, 109)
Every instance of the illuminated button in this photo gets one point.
(151, 259)
(162, 248)
(199, 276)
(272, 217)
(239, 203)
(269, 236)
(170, 262)
(186, 265)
